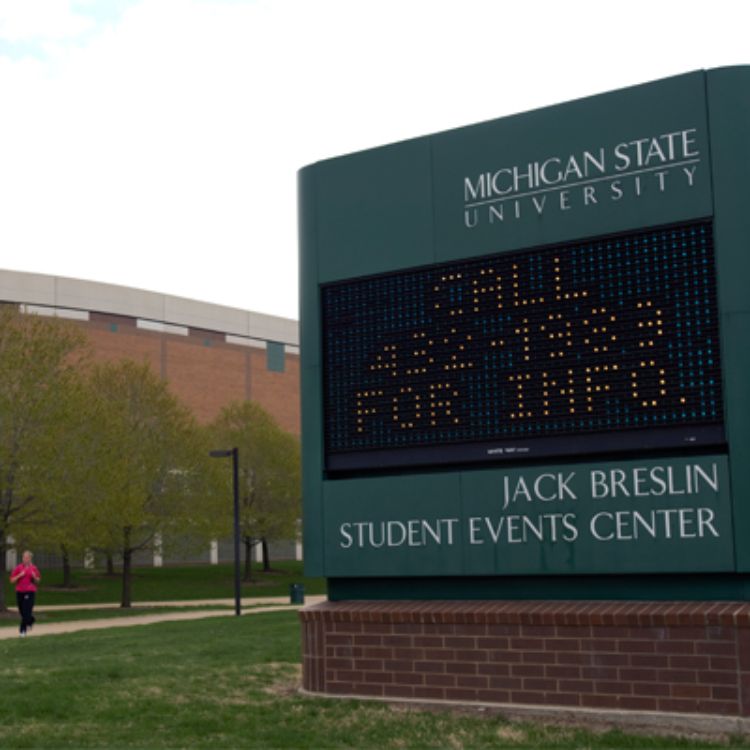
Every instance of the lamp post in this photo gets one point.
(236, 487)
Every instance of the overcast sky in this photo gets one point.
(155, 143)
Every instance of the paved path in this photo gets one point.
(269, 604)
(246, 602)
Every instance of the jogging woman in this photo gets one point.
(25, 578)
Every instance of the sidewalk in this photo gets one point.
(224, 602)
(268, 604)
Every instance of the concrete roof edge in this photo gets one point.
(94, 296)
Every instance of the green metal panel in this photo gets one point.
(374, 211)
(651, 155)
(599, 136)
(729, 112)
(275, 360)
(312, 469)
(310, 376)
(417, 525)
(736, 329)
(683, 587)
(664, 515)
(309, 299)
(616, 517)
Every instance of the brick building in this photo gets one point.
(209, 354)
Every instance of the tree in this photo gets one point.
(39, 360)
(153, 479)
(69, 523)
(269, 475)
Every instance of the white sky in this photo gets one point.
(155, 143)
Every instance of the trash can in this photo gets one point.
(296, 593)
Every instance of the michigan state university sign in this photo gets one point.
(525, 363)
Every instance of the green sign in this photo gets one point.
(526, 345)
(672, 515)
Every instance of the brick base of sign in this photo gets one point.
(635, 656)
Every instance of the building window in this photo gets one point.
(275, 356)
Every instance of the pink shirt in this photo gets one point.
(26, 582)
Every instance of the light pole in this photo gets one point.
(236, 486)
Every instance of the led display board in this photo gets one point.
(606, 344)
(525, 353)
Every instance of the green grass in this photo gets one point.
(229, 683)
(171, 583)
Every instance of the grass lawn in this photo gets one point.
(170, 584)
(228, 683)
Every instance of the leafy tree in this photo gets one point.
(154, 474)
(269, 475)
(39, 361)
(69, 523)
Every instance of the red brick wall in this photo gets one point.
(204, 378)
(126, 342)
(640, 656)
